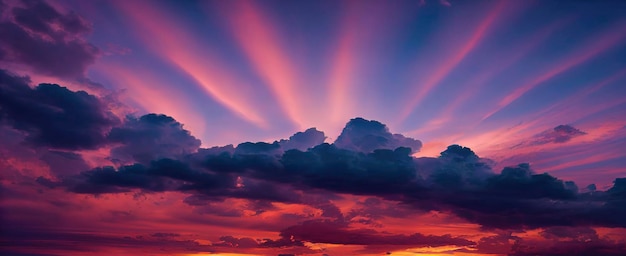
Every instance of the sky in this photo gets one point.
(432, 127)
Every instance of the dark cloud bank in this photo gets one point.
(155, 153)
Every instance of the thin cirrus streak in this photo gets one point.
(545, 153)
(567, 114)
(503, 138)
(570, 158)
(564, 112)
(585, 93)
(511, 140)
(584, 160)
(433, 80)
(180, 48)
(559, 113)
(604, 42)
(479, 82)
(259, 40)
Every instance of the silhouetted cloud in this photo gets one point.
(365, 136)
(559, 134)
(252, 148)
(161, 175)
(52, 115)
(84, 242)
(457, 167)
(303, 140)
(244, 242)
(339, 233)
(51, 43)
(457, 182)
(569, 241)
(151, 137)
(581, 234)
(64, 163)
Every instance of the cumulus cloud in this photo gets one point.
(303, 140)
(158, 154)
(36, 35)
(52, 115)
(461, 184)
(365, 136)
(151, 137)
(457, 166)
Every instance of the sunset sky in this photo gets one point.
(432, 127)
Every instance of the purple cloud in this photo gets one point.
(48, 42)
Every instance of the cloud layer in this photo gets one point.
(154, 154)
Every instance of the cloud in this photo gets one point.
(303, 140)
(27, 240)
(151, 137)
(558, 240)
(559, 134)
(568, 241)
(456, 167)
(230, 241)
(457, 182)
(581, 234)
(326, 166)
(48, 42)
(161, 175)
(338, 233)
(52, 115)
(64, 163)
(365, 136)
(252, 148)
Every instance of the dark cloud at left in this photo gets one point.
(52, 115)
(45, 41)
